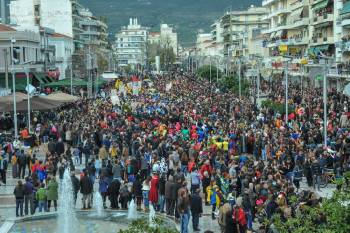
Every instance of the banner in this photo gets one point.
(136, 88)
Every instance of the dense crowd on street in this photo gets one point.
(178, 149)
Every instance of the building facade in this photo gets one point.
(237, 26)
(131, 44)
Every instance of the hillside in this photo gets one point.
(188, 16)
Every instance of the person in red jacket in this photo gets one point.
(206, 168)
(153, 192)
(239, 218)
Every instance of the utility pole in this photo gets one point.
(6, 69)
(71, 75)
(13, 40)
(286, 76)
(28, 99)
(325, 103)
(239, 79)
(217, 70)
(89, 67)
(210, 68)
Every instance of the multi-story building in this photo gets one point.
(345, 23)
(289, 26)
(168, 36)
(27, 56)
(131, 44)
(236, 27)
(94, 30)
(33, 14)
(63, 47)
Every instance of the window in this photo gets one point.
(16, 55)
(37, 10)
(24, 54)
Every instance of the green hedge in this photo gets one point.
(277, 107)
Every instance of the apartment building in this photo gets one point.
(344, 45)
(289, 25)
(33, 14)
(94, 30)
(237, 26)
(131, 44)
(166, 37)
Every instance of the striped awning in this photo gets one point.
(320, 5)
(346, 8)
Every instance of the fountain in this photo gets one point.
(69, 220)
(66, 214)
(98, 202)
(132, 212)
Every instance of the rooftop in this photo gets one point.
(61, 35)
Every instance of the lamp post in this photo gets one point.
(210, 68)
(325, 103)
(71, 75)
(286, 92)
(217, 70)
(28, 99)
(13, 40)
(239, 79)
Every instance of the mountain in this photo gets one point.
(188, 16)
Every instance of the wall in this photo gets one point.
(58, 16)
(22, 13)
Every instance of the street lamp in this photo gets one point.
(325, 70)
(286, 86)
(13, 41)
(28, 93)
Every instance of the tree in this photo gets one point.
(102, 63)
(204, 72)
(232, 83)
(332, 215)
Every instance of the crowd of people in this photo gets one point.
(176, 150)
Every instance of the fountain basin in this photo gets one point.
(86, 221)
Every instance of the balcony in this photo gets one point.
(279, 12)
(297, 4)
(92, 33)
(298, 23)
(345, 23)
(322, 40)
(268, 2)
(323, 20)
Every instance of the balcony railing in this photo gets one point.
(279, 11)
(323, 18)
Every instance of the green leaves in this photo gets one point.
(331, 216)
(142, 226)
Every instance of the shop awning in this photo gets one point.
(51, 80)
(42, 76)
(346, 8)
(320, 5)
(21, 82)
(295, 15)
(66, 83)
